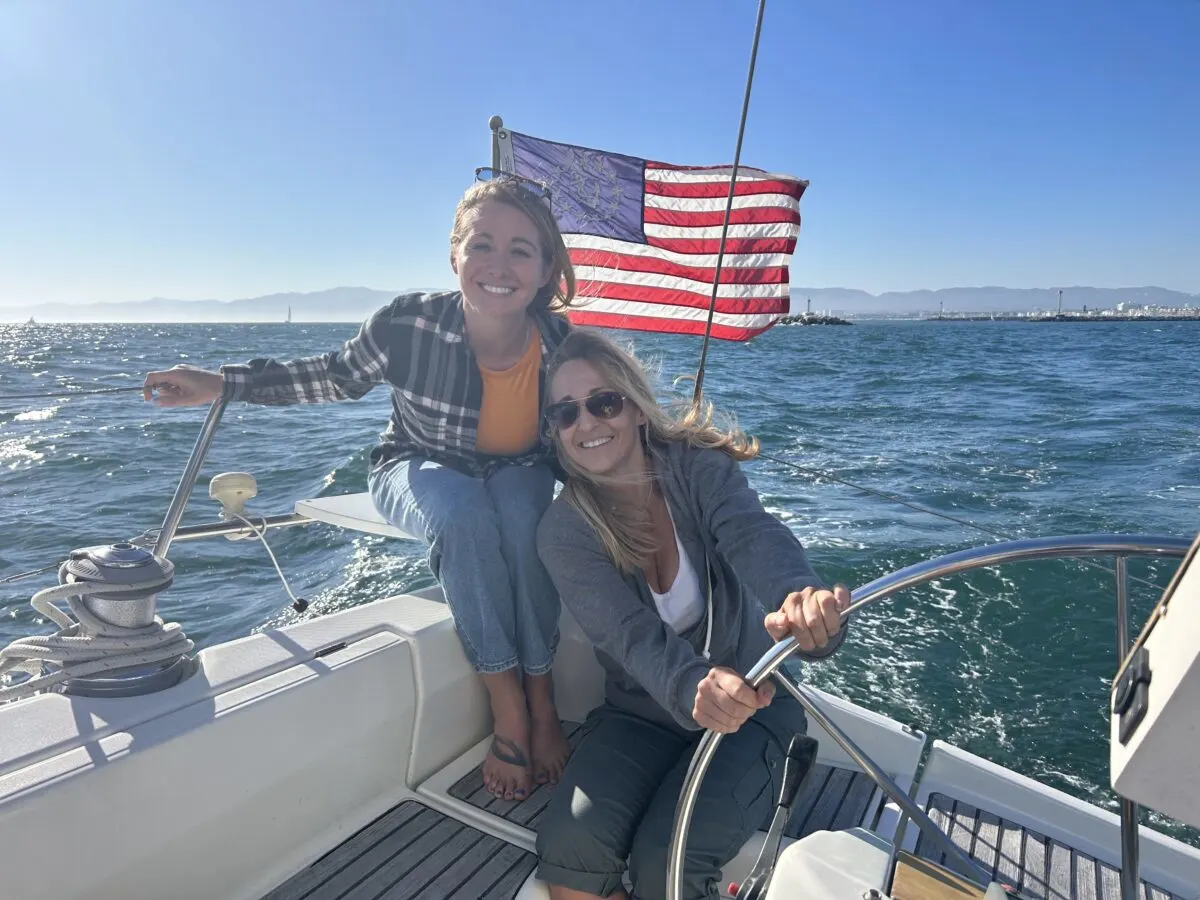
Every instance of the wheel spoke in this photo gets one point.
(963, 863)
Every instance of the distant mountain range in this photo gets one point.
(342, 304)
(353, 304)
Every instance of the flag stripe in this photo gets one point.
(743, 331)
(768, 230)
(720, 189)
(591, 291)
(626, 248)
(754, 216)
(733, 245)
(660, 171)
(662, 310)
(605, 261)
(654, 284)
(711, 204)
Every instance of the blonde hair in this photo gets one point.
(626, 533)
(559, 291)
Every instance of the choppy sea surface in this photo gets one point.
(1025, 429)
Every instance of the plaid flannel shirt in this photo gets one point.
(417, 344)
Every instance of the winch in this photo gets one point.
(112, 644)
(143, 573)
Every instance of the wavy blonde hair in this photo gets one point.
(626, 532)
(559, 291)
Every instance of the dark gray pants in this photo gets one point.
(617, 797)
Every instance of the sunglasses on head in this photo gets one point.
(602, 405)
(537, 188)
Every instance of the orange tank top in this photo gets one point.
(508, 419)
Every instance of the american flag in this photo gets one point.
(644, 236)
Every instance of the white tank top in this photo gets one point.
(682, 605)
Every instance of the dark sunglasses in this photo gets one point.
(537, 188)
(602, 405)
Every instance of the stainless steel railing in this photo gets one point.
(166, 534)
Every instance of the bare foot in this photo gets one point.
(547, 741)
(506, 768)
(550, 750)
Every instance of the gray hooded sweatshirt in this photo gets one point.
(755, 562)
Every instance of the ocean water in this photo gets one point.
(1025, 429)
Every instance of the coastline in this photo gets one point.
(1190, 316)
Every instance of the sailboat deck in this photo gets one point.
(1043, 868)
(413, 853)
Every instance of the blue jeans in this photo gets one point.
(482, 547)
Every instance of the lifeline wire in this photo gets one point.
(29, 574)
(933, 512)
(70, 392)
(885, 496)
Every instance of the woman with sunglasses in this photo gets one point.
(667, 559)
(462, 463)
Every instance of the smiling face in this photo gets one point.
(597, 444)
(499, 259)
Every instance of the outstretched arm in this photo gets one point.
(345, 374)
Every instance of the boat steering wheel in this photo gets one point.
(1072, 546)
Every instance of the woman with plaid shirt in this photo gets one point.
(463, 463)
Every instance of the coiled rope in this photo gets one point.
(87, 645)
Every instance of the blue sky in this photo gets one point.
(230, 148)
